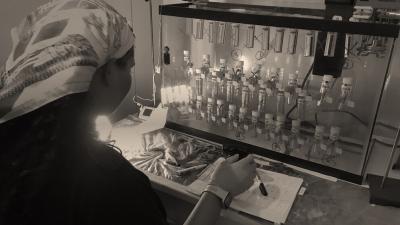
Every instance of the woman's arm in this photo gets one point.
(231, 176)
(206, 211)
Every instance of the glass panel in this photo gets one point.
(255, 84)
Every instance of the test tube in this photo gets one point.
(291, 88)
(214, 86)
(235, 34)
(231, 115)
(221, 33)
(205, 67)
(212, 32)
(279, 35)
(265, 39)
(331, 39)
(262, 98)
(250, 36)
(279, 126)
(242, 115)
(346, 89)
(325, 86)
(220, 108)
(199, 104)
(292, 43)
(210, 111)
(293, 143)
(280, 101)
(309, 43)
(222, 66)
(254, 120)
(301, 105)
(239, 68)
(316, 151)
(229, 89)
(269, 125)
(333, 143)
(245, 95)
(198, 28)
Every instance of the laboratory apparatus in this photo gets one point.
(346, 88)
(284, 78)
(315, 151)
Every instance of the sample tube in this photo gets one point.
(265, 39)
(309, 43)
(242, 115)
(301, 105)
(250, 36)
(292, 43)
(293, 143)
(346, 89)
(235, 34)
(239, 69)
(245, 95)
(262, 98)
(198, 28)
(199, 104)
(231, 115)
(269, 125)
(333, 144)
(214, 86)
(316, 151)
(221, 33)
(279, 35)
(280, 101)
(212, 32)
(210, 107)
(229, 89)
(291, 87)
(254, 120)
(331, 39)
(325, 86)
(220, 108)
(205, 67)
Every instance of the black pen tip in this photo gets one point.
(263, 189)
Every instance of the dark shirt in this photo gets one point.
(52, 174)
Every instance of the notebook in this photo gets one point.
(282, 192)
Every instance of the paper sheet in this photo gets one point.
(282, 191)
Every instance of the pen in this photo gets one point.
(261, 186)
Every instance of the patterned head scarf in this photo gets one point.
(56, 50)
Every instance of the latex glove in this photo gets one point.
(235, 176)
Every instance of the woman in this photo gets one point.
(70, 63)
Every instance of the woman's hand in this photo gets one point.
(235, 176)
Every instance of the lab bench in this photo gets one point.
(326, 201)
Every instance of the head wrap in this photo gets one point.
(56, 50)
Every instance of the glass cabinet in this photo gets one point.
(302, 86)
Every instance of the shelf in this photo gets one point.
(234, 146)
(308, 19)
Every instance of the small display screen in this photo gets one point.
(147, 112)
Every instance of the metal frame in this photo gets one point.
(280, 17)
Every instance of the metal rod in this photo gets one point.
(389, 165)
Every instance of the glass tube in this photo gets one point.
(293, 143)
(301, 105)
(292, 42)
(231, 115)
(210, 107)
(309, 43)
(346, 89)
(279, 36)
(325, 86)
(262, 98)
(229, 89)
(291, 87)
(199, 104)
(315, 151)
(280, 102)
(269, 125)
(245, 95)
(214, 86)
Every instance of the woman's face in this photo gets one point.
(111, 84)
